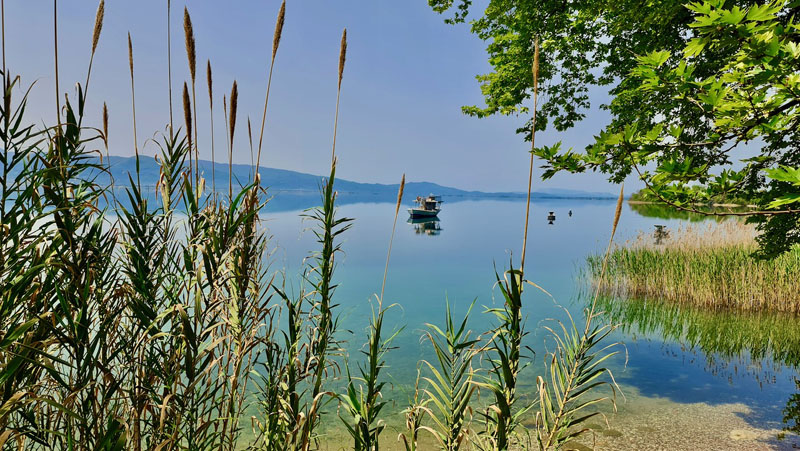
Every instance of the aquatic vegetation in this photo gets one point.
(576, 368)
(791, 414)
(728, 334)
(712, 266)
(450, 383)
(363, 400)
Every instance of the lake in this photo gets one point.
(689, 379)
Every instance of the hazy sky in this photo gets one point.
(407, 75)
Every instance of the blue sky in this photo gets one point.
(407, 75)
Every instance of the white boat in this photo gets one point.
(427, 207)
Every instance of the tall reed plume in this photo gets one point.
(105, 143)
(55, 56)
(209, 80)
(391, 239)
(187, 117)
(191, 56)
(342, 57)
(133, 107)
(323, 341)
(535, 72)
(234, 102)
(98, 27)
(276, 39)
(169, 64)
(363, 400)
(254, 170)
(3, 37)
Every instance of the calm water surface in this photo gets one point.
(679, 369)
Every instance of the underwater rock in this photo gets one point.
(744, 434)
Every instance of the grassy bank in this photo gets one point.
(711, 266)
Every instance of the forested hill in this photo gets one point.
(286, 180)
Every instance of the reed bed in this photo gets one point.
(712, 266)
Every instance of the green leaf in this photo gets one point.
(785, 174)
(784, 200)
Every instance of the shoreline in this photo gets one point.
(650, 202)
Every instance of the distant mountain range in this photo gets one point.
(300, 183)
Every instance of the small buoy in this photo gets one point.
(570, 213)
(551, 217)
(660, 233)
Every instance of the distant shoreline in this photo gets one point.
(649, 202)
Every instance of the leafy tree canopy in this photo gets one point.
(705, 95)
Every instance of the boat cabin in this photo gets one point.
(426, 206)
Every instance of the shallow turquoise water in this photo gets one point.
(458, 264)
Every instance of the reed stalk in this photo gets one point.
(55, 65)
(98, 27)
(6, 79)
(191, 55)
(576, 369)
(225, 121)
(415, 415)
(187, 120)
(450, 383)
(133, 110)
(209, 80)
(391, 238)
(535, 72)
(104, 116)
(342, 57)
(234, 101)
(325, 325)
(169, 64)
(276, 39)
(362, 400)
(506, 359)
(253, 169)
(3, 36)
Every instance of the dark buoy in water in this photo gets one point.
(551, 217)
(660, 233)
(570, 213)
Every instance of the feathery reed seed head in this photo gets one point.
(400, 194)
(187, 113)
(105, 124)
(209, 80)
(342, 55)
(249, 132)
(234, 102)
(535, 68)
(130, 53)
(278, 29)
(190, 47)
(98, 24)
(7, 93)
(618, 211)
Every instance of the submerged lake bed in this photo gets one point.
(689, 379)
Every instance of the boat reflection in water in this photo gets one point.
(426, 226)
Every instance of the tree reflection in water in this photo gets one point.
(737, 341)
